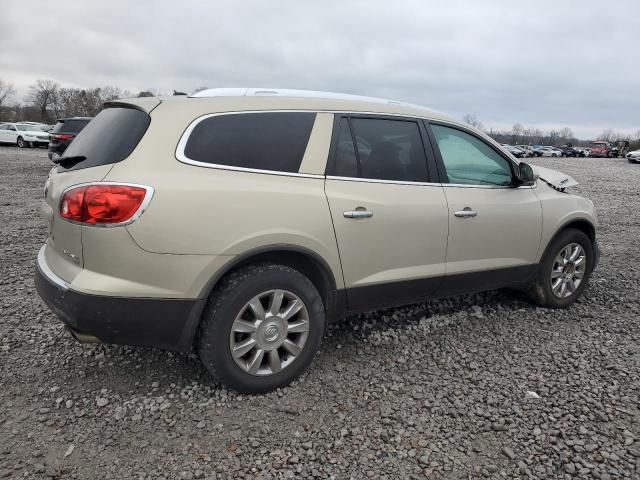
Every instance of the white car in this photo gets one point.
(527, 149)
(546, 152)
(23, 135)
(634, 157)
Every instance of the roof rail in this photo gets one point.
(284, 92)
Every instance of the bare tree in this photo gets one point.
(607, 135)
(566, 133)
(472, 120)
(43, 94)
(111, 93)
(517, 132)
(6, 92)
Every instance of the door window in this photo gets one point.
(470, 161)
(384, 150)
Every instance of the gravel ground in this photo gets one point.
(472, 387)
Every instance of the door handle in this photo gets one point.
(466, 212)
(359, 212)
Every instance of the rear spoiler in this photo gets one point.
(145, 104)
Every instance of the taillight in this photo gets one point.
(104, 203)
(61, 136)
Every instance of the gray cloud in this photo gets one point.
(538, 62)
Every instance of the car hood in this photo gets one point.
(555, 178)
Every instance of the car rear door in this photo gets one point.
(390, 220)
(494, 227)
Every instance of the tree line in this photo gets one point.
(47, 101)
(523, 135)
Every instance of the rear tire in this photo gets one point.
(549, 273)
(239, 315)
(21, 143)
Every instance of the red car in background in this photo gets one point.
(600, 148)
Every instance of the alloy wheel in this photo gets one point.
(269, 333)
(569, 268)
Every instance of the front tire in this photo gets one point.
(21, 143)
(565, 270)
(261, 328)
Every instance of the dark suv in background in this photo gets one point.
(63, 133)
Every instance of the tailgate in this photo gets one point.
(64, 252)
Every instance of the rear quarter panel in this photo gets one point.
(209, 211)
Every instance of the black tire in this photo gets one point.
(227, 300)
(21, 143)
(540, 290)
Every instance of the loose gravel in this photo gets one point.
(482, 386)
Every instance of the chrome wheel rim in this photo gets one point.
(269, 333)
(568, 270)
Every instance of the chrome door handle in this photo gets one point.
(359, 212)
(467, 212)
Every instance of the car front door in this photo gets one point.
(494, 227)
(390, 218)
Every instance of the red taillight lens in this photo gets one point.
(102, 203)
(61, 136)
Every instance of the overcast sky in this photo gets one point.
(543, 63)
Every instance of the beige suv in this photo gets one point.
(238, 222)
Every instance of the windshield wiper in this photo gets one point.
(71, 159)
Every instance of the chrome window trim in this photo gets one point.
(375, 180)
(47, 272)
(141, 209)
(182, 143)
(428, 184)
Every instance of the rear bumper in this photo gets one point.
(155, 322)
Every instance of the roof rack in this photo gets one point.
(284, 92)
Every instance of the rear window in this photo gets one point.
(70, 126)
(264, 141)
(109, 138)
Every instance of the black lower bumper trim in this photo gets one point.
(164, 323)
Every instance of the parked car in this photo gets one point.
(601, 148)
(242, 221)
(584, 152)
(543, 151)
(23, 135)
(516, 152)
(527, 149)
(570, 151)
(634, 157)
(63, 133)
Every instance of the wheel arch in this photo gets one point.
(580, 223)
(306, 261)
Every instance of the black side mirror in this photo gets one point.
(526, 175)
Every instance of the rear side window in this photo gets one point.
(264, 141)
(109, 138)
(385, 150)
(69, 126)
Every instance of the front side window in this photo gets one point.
(264, 141)
(470, 161)
(385, 150)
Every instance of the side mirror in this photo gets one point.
(526, 175)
